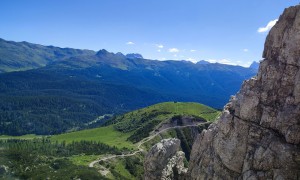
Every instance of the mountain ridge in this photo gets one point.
(66, 93)
(15, 56)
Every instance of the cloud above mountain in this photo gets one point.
(173, 50)
(267, 27)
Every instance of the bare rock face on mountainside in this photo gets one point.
(165, 161)
(258, 133)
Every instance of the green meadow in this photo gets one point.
(107, 135)
(25, 137)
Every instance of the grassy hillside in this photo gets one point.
(143, 121)
(78, 149)
(138, 123)
(25, 137)
(20, 56)
(107, 135)
(120, 128)
(163, 111)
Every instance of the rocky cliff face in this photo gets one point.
(165, 161)
(258, 134)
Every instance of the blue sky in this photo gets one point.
(214, 30)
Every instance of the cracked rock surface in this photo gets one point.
(258, 133)
(165, 161)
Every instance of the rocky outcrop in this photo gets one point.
(164, 161)
(175, 168)
(258, 134)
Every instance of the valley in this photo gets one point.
(139, 146)
(173, 119)
(149, 90)
(74, 87)
(101, 111)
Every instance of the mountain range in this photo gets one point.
(49, 90)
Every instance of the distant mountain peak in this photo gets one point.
(120, 54)
(134, 56)
(102, 52)
(203, 62)
(254, 65)
(105, 54)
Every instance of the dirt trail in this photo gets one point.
(143, 141)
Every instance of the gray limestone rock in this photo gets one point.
(258, 134)
(164, 161)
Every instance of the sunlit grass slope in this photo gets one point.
(107, 135)
(138, 123)
(162, 111)
(25, 137)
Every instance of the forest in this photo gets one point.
(40, 158)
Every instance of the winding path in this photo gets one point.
(143, 141)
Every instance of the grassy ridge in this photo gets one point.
(107, 135)
(143, 121)
(121, 128)
(162, 111)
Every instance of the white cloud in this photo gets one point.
(247, 64)
(222, 61)
(159, 50)
(212, 60)
(160, 46)
(245, 50)
(268, 27)
(193, 50)
(173, 50)
(130, 43)
(175, 55)
(193, 60)
(230, 62)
